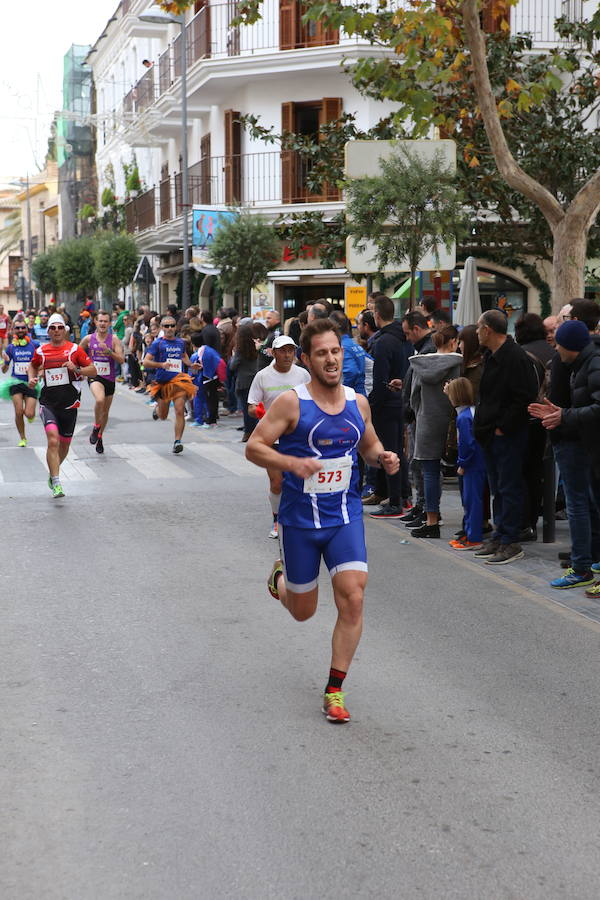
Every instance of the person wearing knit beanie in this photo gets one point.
(573, 336)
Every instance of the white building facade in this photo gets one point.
(284, 72)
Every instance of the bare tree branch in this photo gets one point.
(507, 165)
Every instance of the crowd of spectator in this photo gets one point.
(499, 412)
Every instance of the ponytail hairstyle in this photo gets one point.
(443, 337)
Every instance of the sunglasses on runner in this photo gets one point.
(56, 327)
(168, 324)
(20, 327)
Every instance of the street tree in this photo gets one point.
(440, 54)
(413, 208)
(538, 113)
(43, 271)
(244, 250)
(115, 260)
(75, 267)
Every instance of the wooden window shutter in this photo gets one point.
(288, 157)
(493, 14)
(288, 24)
(233, 162)
(331, 109)
(205, 191)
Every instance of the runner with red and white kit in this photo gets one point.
(105, 350)
(61, 364)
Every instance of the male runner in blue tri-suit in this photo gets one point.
(321, 428)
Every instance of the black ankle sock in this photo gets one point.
(336, 680)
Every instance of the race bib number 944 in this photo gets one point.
(172, 365)
(334, 476)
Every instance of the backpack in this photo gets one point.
(222, 371)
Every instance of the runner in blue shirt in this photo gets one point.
(19, 353)
(167, 357)
(321, 427)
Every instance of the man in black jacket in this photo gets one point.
(390, 361)
(569, 453)
(578, 451)
(508, 385)
(211, 336)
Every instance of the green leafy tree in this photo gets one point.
(528, 158)
(411, 209)
(75, 267)
(244, 249)
(43, 272)
(115, 260)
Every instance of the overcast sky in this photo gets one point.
(36, 35)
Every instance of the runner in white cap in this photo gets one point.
(281, 375)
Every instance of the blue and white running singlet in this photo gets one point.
(330, 497)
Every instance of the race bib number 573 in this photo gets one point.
(334, 476)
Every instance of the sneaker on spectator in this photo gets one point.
(372, 500)
(595, 567)
(464, 544)
(506, 553)
(488, 549)
(415, 513)
(386, 512)
(594, 592)
(572, 579)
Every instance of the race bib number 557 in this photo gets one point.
(56, 377)
(334, 476)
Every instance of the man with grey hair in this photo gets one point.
(508, 386)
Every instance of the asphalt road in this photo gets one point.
(161, 734)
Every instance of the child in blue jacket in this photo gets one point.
(470, 465)
(206, 380)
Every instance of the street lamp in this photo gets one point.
(158, 16)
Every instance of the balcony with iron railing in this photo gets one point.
(211, 36)
(258, 180)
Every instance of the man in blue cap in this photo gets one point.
(580, 467)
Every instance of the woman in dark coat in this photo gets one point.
(244, 364)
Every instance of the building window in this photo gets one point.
(305, 119)
(294, 33)
(572, 10)
(233, 158)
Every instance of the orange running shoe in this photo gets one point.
(333, 707)
(464, 544)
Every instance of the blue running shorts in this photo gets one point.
(342, 547)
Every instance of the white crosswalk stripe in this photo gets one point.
(72, 469)
(125, 463)
(227, 459)
(148, 463)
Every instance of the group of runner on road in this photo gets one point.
(311, 431)
(58, 366)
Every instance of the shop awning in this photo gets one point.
(292, 274)
(403, 291)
